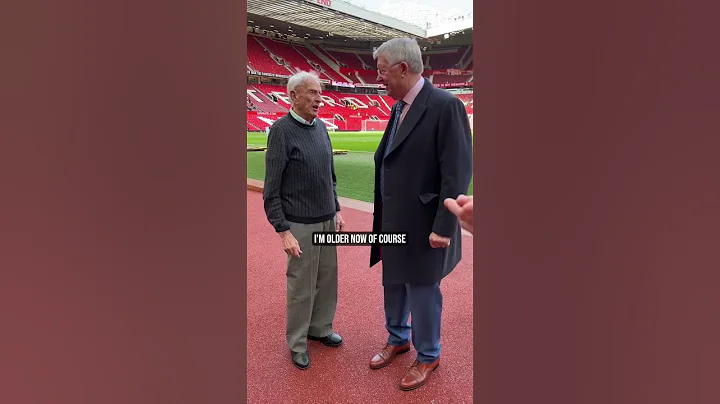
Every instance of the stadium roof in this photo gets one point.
(339, 18)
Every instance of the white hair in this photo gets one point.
(402, 50)
(299, 79)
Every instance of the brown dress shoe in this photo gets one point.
(418, 374)
(386, 356)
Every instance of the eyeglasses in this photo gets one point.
(384, 71)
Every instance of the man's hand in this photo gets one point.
(339, 222)
(290, 244)
(462, 207)
(439, 241)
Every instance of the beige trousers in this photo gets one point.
(312, 283)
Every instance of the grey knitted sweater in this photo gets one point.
(299, 174)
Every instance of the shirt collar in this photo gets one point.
(301, 119)
(414, 91)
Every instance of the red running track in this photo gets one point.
(342, 375)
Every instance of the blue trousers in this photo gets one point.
(424, 302)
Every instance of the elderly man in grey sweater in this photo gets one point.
(300, 198)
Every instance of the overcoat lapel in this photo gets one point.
(380, 152)
(417, 110)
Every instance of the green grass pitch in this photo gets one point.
(355, 171)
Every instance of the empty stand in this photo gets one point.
(346, 59)
(325, 53)
(309, 56)
(260, 60)
(258, 94)
(448, 60)
(340, 110)
(451, 78)
(367, 58)
(467, 99)
(297, 60)
(348, 111)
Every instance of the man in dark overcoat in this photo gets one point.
(424, 157)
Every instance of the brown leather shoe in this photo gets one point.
(418, 375)
(386, 356)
